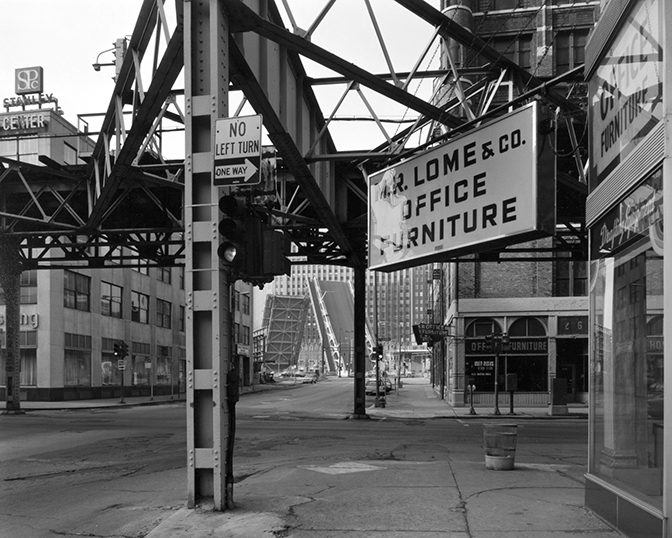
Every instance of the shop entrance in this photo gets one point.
(573, 366)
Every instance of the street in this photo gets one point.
(119, 472)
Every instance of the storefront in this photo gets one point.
(626, 482)
(526, 357)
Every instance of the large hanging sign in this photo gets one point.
(477, 192)
(626, 91)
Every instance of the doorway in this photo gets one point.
(572, 361)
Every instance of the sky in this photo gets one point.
(66, 37)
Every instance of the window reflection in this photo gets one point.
(627, 356)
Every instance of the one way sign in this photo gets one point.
(238, 151)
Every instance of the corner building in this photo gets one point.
(541, 305)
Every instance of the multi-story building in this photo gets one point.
(541, 305)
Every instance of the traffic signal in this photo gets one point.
(120, 349)
(379, 351)
(232, 248)
(418, 336)
(276, 249)
(255, 252)
(505, 342)
(489, 343)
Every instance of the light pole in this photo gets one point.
(497, 343)
(471, 388)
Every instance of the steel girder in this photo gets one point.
(322, 201)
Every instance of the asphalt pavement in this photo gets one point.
(412, 498)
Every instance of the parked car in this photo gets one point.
(309, 378)
(370, 386)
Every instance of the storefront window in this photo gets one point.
(28, 355)
(164, 361)
(140, 370)
(163, 370)
(626, 293)
(526, 355)
(77, 368)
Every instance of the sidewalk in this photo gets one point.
(418, 496)
(417, 399)
(129, 401)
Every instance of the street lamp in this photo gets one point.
(97, 65)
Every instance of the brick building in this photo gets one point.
(541, 305)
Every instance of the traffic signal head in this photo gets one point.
(275, 251)
(120, 349)
(418, 337)
(505, 342)
(231, 250)
(489, 344)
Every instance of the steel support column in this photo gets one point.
(208, 328)
(10, 280)
(360, 342)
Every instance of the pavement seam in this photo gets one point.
(462, 506)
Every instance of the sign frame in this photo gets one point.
(491, 187)
(237, 151)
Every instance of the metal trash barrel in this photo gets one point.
(499, 441)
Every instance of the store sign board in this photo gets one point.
(655, 344)
(517, 346)
(638, 216)
(626, 91)
(471, 194)
(237, 152)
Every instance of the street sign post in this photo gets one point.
(237, 156)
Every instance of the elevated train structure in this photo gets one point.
(186, 64)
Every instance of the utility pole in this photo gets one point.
(496, 343)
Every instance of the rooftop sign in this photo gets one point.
(474, 193)
(29, 88)
(28, 80)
